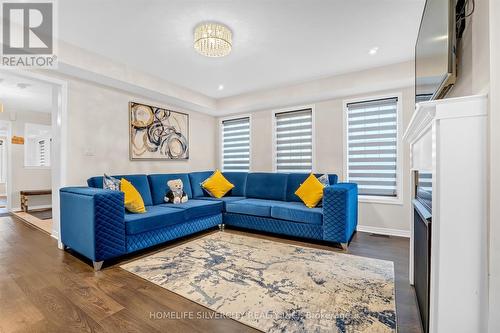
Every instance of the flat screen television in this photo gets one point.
(435, 69)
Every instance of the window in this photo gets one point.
(43, 154)
(372, 144)
(37, 145)
(293, 141)
(236, 144)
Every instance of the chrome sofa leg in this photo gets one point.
(221, 227)
(344, 246)
(97, 265)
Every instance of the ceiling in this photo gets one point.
(275, 43)
(21, 94)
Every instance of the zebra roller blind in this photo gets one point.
(294, 141)
(372, 146)
(236, 144)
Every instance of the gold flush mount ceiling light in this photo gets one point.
(213, 39)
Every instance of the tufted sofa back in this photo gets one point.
(259, 185)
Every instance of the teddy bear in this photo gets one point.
(175, 193)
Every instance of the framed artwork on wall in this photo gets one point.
(157, 133)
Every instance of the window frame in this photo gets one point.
(313, 131)
(25, 146)
(221, 140)
(397, 200)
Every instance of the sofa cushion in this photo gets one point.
(310, 191)
(217, 185)
(295, 179)
(196, 178)
(156, 217)
(263, 185)
(196, 208)
(297, 212)
(140, 182)
(256, 207)
(224, 200)
(132, 198)
(239, 180)
(158, 184)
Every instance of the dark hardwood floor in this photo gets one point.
(44, 289)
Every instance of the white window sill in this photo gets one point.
(380, 200)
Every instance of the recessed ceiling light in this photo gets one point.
(220, 87)
(373, 50)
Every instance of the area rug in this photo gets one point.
(276, 287)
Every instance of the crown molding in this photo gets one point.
(81, 64)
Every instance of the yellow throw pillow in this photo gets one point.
(310, 191)
(133, 199)
(217, 185)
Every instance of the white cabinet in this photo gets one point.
(449, 138)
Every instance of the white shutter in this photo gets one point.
(372, 146)
(294, 141)
(236, 144)
(42, 153)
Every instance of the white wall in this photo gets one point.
(329, 153)
(364, 81)
(98, 120)
(23, 178)
(473, 60)
(494, 230)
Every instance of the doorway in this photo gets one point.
(5, 132)
(35, 105)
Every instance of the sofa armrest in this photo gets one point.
(340, 212)
(93, 222)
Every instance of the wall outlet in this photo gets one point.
(89, 151)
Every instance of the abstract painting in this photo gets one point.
(157, 133)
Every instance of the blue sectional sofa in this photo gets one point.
(95, 224)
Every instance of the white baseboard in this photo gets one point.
(384, 231)
(18, 209)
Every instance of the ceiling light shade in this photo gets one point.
(213, 39)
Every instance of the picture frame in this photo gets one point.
(157, 134)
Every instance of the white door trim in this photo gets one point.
(8, 188)
(59, 139)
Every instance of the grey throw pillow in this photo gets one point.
(110, 183)
(326, 182)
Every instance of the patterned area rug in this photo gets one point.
(276, 287)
